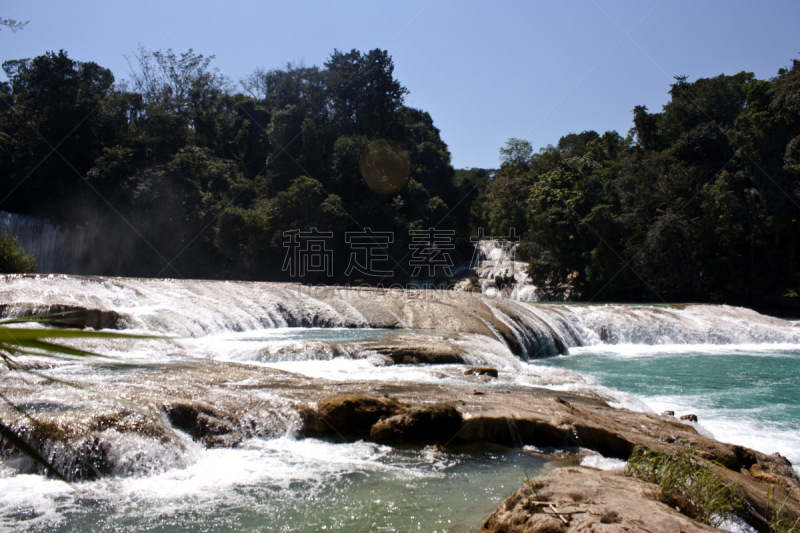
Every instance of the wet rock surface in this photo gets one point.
(573, 499)
(481, 371)
(187, 402)
(438, 423)
(212, 427)
(62, 315)
(351, 415)
(410, 352)
(199, 307)
(218, 404)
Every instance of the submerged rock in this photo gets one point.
(481, 371)
(204, 423)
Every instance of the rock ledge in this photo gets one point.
(584, 499)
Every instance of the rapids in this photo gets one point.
(262, 349)
(196, 308)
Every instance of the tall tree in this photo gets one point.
(363, 91)
(55, 116)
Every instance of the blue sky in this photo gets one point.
(484, 71)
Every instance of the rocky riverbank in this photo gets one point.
(573, 499)
(220, 404)
(139, 411)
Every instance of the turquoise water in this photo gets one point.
(742, 394)
(746, 395)
(289, 486)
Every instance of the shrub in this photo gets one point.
(685, 482)
(13, 257)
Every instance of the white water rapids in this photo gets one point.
(331, 334)
(193, 308)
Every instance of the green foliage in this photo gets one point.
(685, 482)
(516, 153)
(53, 101)
(181, 169)
(780, 520)
(13, 257)
(365, 96)
(698, 202)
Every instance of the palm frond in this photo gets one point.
(17, 341)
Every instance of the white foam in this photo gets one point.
(735, 524)
(742, 427)
(646, 350)
(610, 464)
(212, 477)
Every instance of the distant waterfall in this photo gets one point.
(57, 249)
(497, 258)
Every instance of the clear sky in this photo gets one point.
(485, 71)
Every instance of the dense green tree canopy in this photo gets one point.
(700, 202)
(177, 171)
(189, 177)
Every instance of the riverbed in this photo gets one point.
(733, 368)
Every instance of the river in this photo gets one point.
(735, 369)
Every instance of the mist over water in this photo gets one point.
(56, 248)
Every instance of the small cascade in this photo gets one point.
(515, 439)
(681, 324)
(57, 249)
(497, 271)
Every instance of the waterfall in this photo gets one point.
(494, 262)
(495, 258)
(57, 249)
(197, 308)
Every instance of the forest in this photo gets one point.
(177, 171)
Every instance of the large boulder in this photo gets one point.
(350, 415)
(573, 499)
(209, 425)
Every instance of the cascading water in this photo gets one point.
(494, 262)
(195, 308)
(497, 259)
(245, 355)
(56, 248)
